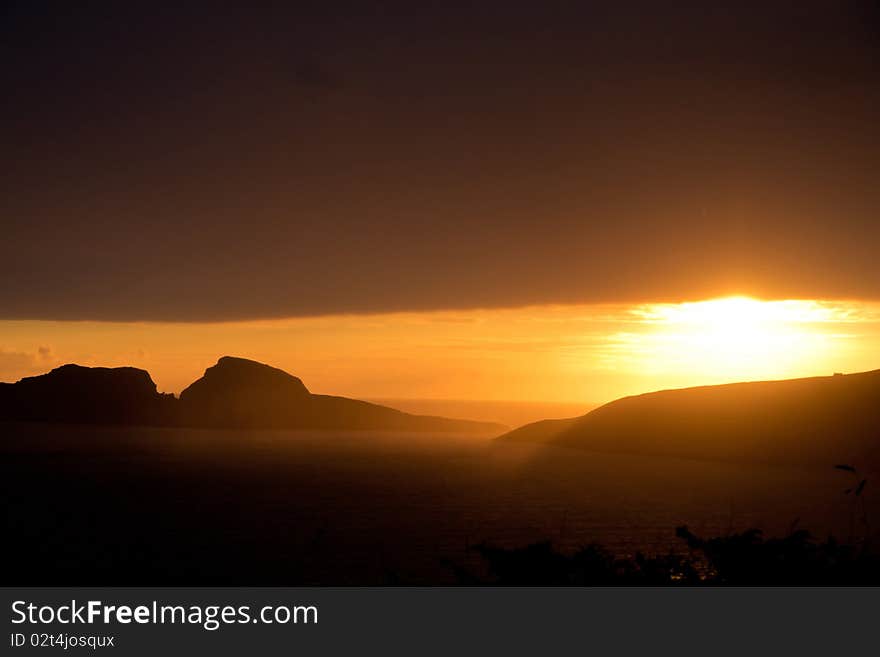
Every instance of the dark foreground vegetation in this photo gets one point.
(737, 559)
(742, 559)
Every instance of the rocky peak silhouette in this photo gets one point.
(236, 393)
(100, 395)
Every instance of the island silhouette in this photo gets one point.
(236, 393)
(816, 420)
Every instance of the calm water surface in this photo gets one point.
(359, 508)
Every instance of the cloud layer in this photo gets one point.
(182, 165)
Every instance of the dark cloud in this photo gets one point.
(190, 162)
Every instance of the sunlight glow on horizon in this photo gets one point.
(736, 338)
(554, 353)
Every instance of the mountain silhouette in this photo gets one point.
(821, 419)
(94, 395)
(242, 393)
(235, 393)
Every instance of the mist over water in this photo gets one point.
(152, 506)
(510, 413)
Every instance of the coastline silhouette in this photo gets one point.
(236, 393)
(817, 420)
(110, 482)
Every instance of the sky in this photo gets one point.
(578, 354)
(198, 170)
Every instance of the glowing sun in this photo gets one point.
(736, 337)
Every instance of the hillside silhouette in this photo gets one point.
(90, 395)
(811, 420)
(133, 502)
(236, 393)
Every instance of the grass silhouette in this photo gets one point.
(737, 559)
(740, 559)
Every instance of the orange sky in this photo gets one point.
(389, 204)
(574, 353)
